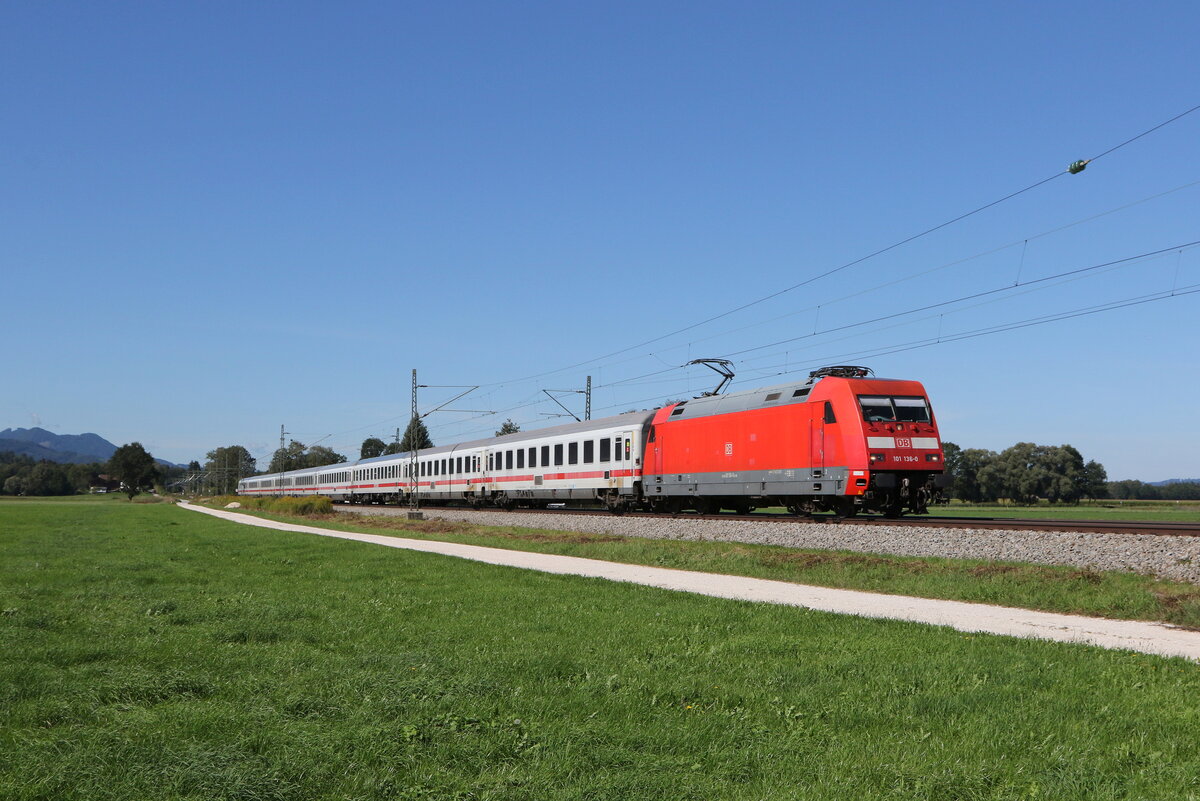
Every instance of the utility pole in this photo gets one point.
(283, 457)
(414, 497)
(587, 413)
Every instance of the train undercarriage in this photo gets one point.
(889, 494)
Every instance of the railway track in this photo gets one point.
(938, 521)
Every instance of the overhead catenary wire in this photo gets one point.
(972, 296)
(1192, 289)
(1070, 275)
(1071, 169)
(926, 272)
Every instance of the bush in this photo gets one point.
(300, 506)
(318, 505)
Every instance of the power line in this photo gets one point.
(1074, 274)
(972, 296)
(1004, 327)
(1075, 167)
(1146, 132)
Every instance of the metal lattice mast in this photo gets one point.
(587, 407)
(283, 458)
(414, 500)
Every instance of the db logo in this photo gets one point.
(903, 442)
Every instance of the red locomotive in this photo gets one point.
(840, 442)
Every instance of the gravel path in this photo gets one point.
(1167, 556)
(1150, 638)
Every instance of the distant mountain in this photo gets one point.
(62, 448)
(1174, 481)
(42, 444)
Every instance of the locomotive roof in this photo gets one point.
(757, 398)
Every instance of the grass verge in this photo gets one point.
(1111, 594)
(152, 652)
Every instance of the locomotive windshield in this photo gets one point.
(880, 409)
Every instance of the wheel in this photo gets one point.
(845, 507)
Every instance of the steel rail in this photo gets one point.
(937, 521)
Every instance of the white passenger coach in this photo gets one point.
(596, 460)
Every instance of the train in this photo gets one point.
(842, 441)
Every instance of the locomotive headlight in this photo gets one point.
(877, 457)
(933, 457)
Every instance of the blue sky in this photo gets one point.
(217, 218)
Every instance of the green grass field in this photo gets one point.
(1048, 588)
(152, 652)
(1126, 511)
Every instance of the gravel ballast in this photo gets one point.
(1164, 556)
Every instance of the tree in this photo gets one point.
(83, 476)
(392, 447)
(297, 455)
(371, 447)
(14, 485)
(1095, 480)
(416, 436)
(319, 456)
(1181, 491)
(1133, 490)
(230, 465)
(48, 478)
(1063, 469)
(964, 468)
(508, 427)
(134, 467)
(193, 465)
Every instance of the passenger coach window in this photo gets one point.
(508, 460)
(533, 457)
(558, 455)
(520, 458)
(589, 451)
(545, 456)
(605, 450)
(573, 453)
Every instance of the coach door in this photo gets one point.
(623, 454)
(485, 473)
